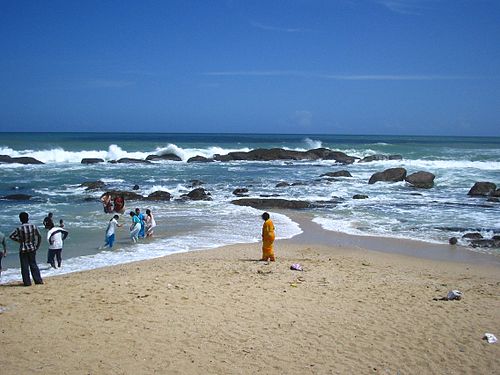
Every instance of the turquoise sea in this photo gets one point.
(391, 210)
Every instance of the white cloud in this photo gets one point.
(339, 77)
(410, 7)
(261, 26)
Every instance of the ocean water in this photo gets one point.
(392, 209)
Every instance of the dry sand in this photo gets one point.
(350, 311)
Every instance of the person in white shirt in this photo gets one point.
(110, 231)
(55, 238)
(150, 223)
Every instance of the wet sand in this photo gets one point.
(223, 312)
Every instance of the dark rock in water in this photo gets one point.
(496, 193)
(337, 174)
(390, 175)
(198, 194)
(299, 183)
(493, 199)
(268, 195)
(93, 185)
(19, 160)
(472, 236)
(453, 241)
(282, 154)
(360, 196)
(195, 183)
(132, 161)
(378, 157)
(136, 187)
(17, 197)
(127, 195)
(271, 203)
(482, 189)
(282, 184)
(91, 161)
(424, 180)
(165, 157)
(240, 191)
(160, 196)
(485, 243)
(199, 159)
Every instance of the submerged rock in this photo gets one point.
(132, 161)
(17, 197)
(271, 203)
(240, 191)
(378, 157)
(93, 185)
(337, 174)
(92, 161)
(360, 196)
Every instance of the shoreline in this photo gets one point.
(313, 233)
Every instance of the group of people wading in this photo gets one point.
(29, 239)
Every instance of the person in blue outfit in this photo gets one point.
(142, 218)
(135, 227)
(111, 232)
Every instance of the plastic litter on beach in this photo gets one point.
(296, 267)
(451, 296)
(490, 337)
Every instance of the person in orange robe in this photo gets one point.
(267, 238)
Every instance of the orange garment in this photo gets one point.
(268, 240)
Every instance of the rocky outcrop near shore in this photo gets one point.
(379, 157)
(337, 174)
(389, 175)
(6, 159)
(483, 189)
(424, 180)
(92, 161)
(271, 203)
(17, 197)
(198, 194)
(199, 159)
(282, 154)
(93, 185)
(165, 157)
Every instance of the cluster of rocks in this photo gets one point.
(196, 194)
(253, 155)
(476, 239)
(421, 179)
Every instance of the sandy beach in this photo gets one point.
(223, 312)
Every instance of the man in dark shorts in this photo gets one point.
(29, 239)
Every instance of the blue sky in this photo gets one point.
(417, 67)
